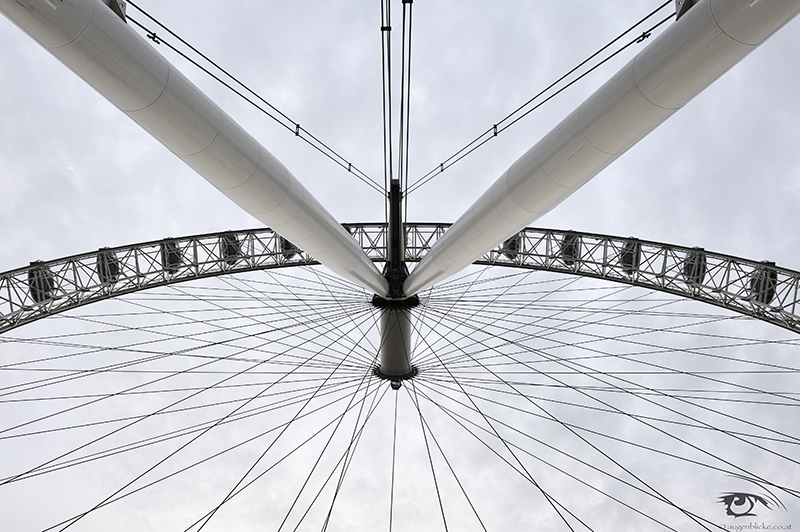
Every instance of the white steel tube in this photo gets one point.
(95, 43)
(694, 51)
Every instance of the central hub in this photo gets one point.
(395, 346)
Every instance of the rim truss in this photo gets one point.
(757, 289)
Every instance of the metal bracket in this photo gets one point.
(118, 7)
(682, 6)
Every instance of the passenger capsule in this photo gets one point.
(41, 282)
(512, 247)
(230, 249)
(107, 266)
(287, 249)
(763, 283)
(170, 256)
(630, 255)
(570, 249)
(694, 266)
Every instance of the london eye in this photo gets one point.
(562, 379)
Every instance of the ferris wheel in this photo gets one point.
(491, 376)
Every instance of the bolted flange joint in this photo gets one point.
(395, 304)
(396, 381)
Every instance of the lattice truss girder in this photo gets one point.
(757, 289)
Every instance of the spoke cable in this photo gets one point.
(553, 503)
(219, 453)
(366, 377)
(243, 414)
(588, 371)
(550, 375)
(601, 434)
(415, 401)
(195, 438)
(394, 455)
(205, 520)
(462, 421)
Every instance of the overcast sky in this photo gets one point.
(76, 175)
(721, 174)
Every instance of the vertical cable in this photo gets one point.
(415, 400)
(394, 453)
(405, 103)
(386, 65)
(405, 89)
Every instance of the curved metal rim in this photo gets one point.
(757, 289)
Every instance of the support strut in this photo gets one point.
(396, 271)
(395, 322)
(395, 308)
